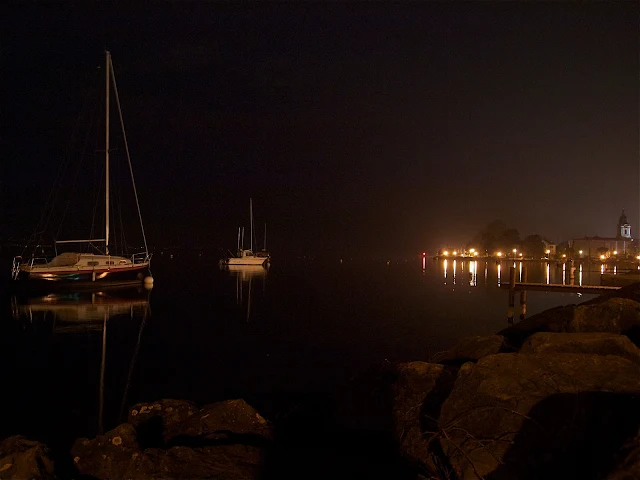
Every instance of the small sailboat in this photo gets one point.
(81, 269)
(246, 256)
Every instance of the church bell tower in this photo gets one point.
(624, 229)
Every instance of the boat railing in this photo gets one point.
(15, 267)
(17, 261)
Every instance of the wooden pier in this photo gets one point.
(523, 286)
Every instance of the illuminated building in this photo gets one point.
(620, 245)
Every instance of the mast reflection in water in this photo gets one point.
(249, 275)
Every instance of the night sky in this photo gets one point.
(355, 127)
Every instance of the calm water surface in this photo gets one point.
(300, 328)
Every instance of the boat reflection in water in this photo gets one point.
(83, 309)
(73, 315)
(249, 275)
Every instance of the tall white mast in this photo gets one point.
(106, 172)
(251, 220)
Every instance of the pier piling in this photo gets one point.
(523, 294)
(512, 293)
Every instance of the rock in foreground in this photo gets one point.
(600, 343)
(21, 458)
(529, 415)
(225, 440)
(613, 315)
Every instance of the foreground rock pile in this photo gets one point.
(554, 396)
(174, 439)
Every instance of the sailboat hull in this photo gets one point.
(81, 278)
(247, 261)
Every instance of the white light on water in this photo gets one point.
(580, 276)
(520, 271)
(548, 268)
(499, 273)
(473, 271)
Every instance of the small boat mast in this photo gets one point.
(106, 150)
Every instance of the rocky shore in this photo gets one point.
(554, 396)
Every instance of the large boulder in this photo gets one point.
(593, 342)
(109, 455)
(399, 404)
(117, 455)
(21, 458)
(154, 420)
(473, 349)
(616, 315)
(225, 442)
(539, 415)
(230, 419)
(173, 422)
(610, 314)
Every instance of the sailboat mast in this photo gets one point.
(265, 238)
(106, 172)
(251, 220)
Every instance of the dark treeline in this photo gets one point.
(497, 236)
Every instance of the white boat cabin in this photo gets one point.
(72, 259)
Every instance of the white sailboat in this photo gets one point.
(246, 256)
(76, 269)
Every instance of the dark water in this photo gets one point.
(271, 337)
